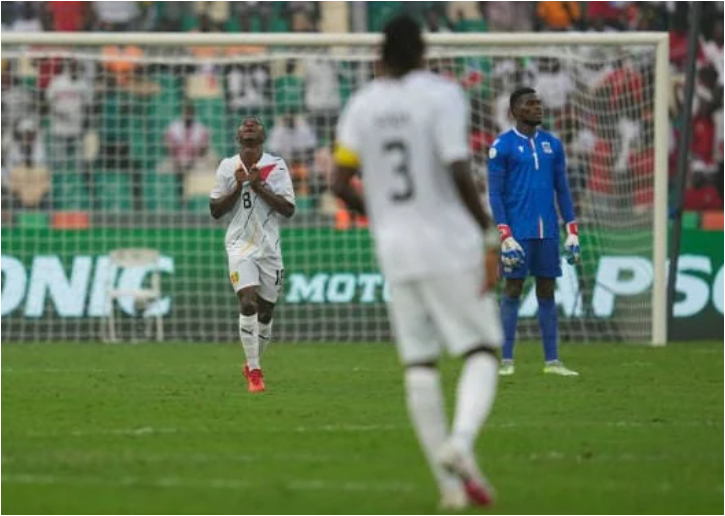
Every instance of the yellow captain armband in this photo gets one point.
(346, 157)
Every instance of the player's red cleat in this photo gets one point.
(255, 379)
(464, 466)
(477, 493)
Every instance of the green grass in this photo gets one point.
(91, 428)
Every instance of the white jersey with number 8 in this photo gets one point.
(253, 230)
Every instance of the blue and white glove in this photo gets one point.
(571, 245)
(512, 254)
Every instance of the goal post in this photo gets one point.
(614, 113)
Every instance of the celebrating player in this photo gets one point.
(254, 188)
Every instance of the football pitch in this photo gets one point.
(170, 428)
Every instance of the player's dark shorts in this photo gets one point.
(542, 260)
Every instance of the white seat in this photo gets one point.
(143, 297)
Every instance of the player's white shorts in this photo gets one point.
(267, 273)
(443, 312)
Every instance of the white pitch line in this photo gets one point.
(138, 432)
(209, 483)
(153, 431)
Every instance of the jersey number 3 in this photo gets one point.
(399, 150)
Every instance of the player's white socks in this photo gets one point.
(427, 411)
(474, 398)
(265, 336)
(248, 333)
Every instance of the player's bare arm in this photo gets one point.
(222, 205)
(275, 201)
(342, 187)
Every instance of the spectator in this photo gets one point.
(246, 11)
(28, 18)
(186, 140)
(678, 35)
(28, 176)
(18, 101)
(26, 147)
(701, 194)
(216, 12)
(115, 16)
(508, 16)
(558, 16)
(712, 50)
(305, 16)
(322, 95)
(69, 16)
(248, 88)
(603, 16)
(69, 96)
(292, 138)
(554, 85)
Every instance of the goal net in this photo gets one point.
(112, 141)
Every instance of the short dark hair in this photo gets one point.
(516, 95)
(403, 46)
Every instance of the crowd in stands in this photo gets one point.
(154, 129)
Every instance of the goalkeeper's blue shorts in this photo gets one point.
(542, 260)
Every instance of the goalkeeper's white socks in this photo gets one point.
(474, 398)
(248, 333)
(265, 336)
(427, 412)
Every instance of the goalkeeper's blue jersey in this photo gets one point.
(524, 176)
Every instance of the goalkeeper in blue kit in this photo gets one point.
(526, 172)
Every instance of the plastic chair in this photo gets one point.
(135, 257)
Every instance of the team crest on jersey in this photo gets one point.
(546, 146)
(235, 277)
(492, 153)
(521, 148)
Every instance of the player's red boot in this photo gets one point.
(255, 379)
(464, 466)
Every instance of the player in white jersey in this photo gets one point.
(254, 188)
(407, 133)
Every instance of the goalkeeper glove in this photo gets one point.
(512, 254)
(571, 245)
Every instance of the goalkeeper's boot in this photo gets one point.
(255, 379)
(464, 466)
(506, 368)
(556, 367)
